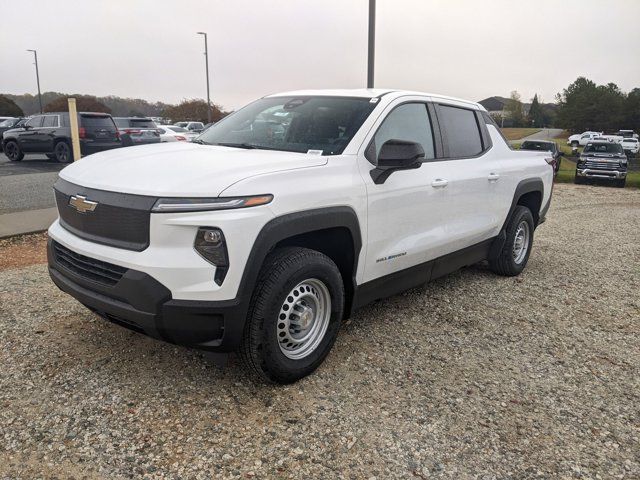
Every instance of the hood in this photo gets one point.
(180, 169)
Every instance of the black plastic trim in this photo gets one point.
(421, 274)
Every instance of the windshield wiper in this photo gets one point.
(248, 146)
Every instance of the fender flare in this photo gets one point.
(289, 225)
(525, 186)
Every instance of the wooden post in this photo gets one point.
(75, 134)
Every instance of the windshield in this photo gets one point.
(322, 124)
(8, 122)
(542, 146)
(609, 148)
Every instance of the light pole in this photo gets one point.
(206, 63)
(372, 43)
(35, 54)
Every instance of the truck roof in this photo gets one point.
(370, 93)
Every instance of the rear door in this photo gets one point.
(474, 192)
(46, 134)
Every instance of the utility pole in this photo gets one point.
(372, 43)
(35, 54)
(206, 62)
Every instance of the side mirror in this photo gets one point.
(396, 155)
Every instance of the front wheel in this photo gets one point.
(13, 151)
(513, 256)
(294, 316)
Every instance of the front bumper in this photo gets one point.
(608, 174)
(139, 302)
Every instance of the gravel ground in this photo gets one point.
(474, 376)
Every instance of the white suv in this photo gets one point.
(289, 214)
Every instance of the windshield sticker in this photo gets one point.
(314, 152)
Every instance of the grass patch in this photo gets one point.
(518, 133)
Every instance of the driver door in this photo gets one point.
(405, 213)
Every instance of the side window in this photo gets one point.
(50, 121)
(408, 122)
(462, 131)
(35, 121)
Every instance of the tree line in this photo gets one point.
(27, 104)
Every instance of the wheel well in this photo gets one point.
(337, 244)
(533, 201)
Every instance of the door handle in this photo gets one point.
(439, 183)
(493, 177)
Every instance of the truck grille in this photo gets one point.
(118, 220)
(89, 268)
(601, 165)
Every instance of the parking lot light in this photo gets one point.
(35, 54)
(206, 62)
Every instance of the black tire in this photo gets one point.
(13, 151)
(62, 152)
(620, 182)
(283, 270)
(575, 144)
(504, 263)
(578, 180)
(557, 167)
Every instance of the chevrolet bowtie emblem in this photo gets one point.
(81, 204)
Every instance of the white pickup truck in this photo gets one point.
(581, 139)
(283, 218)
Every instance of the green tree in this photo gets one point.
(9, 108)
(537, 113)
(84, 103)
(514, 110)
(194, 110)
(631, 111)
(583, 105)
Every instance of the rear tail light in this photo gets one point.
(182, 139)
(118, 134)
(550, 160)
(131, 130)
(82, 132)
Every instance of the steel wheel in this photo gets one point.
(521, 242)
(303, 319)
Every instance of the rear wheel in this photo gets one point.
(294, 316)
(575, 144)
(13, 151)
(513, 256)
(62, 152)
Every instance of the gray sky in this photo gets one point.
(466, 48)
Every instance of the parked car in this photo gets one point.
(581, 139)
(545, 146)
(627, 134)
(50, 134)
(170, 133)
(12, 122)
(604, 160)
(196, 127)
(137, 130)
(264, 244)
(630, 145)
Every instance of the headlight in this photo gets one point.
(164, 205)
